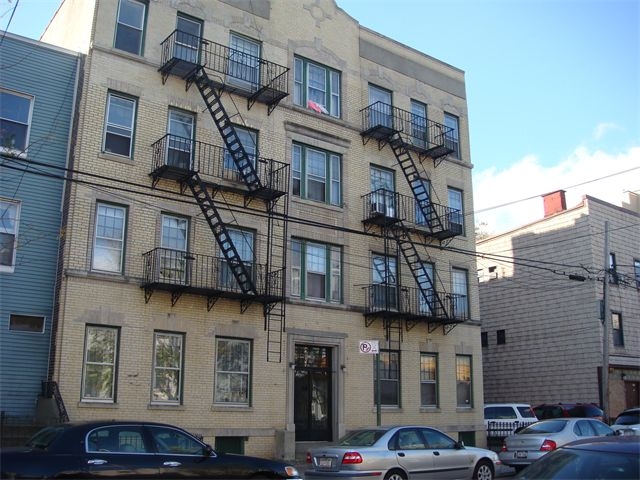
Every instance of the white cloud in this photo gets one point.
(603, 128)
(516, 191)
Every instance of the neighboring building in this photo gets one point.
(259, 187)
(35, 129)
(541, 291)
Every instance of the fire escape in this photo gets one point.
(210, 170)
(401, 219)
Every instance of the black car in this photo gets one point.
(119, 449)
(610, 458)
(559, 410)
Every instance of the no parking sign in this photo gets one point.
(369, 346)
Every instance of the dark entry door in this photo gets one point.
(312, 409)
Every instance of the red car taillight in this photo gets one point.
(548, 445)
(504, 447)
(351, 458)
(308, 457)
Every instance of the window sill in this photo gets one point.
(156, 406)
(429, 409)
(115, 158)
(97, 404)
(218, 407)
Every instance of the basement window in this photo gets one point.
(26, 323)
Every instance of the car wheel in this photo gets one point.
(483, 471)
(395, 475)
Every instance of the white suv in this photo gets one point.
(502, 419)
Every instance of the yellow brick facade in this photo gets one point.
(321, 32)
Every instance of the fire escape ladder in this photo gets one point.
(410, 170)
(221, 234)
(229, 135)
(423, 281)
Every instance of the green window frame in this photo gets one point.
(317, 174)
(316, 271)
(316, 87)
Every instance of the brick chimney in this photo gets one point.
(554, 202)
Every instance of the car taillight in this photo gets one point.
(351, 458)
(548, 445)
(504, 447)
(308, 457)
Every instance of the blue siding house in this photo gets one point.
(38, 89)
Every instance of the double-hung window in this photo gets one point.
(108, 244)
(9, 220)
(244, 61)
(463, 381)
(316, 174)
(119, 125)
(424, 209)
(383, 195)
(243, 241)
(428, 379)
(616, 329)
(15, 119)
(130, 26)
(249, 140)
(233, 363)
(316, 271)
(380, 107)
(419, 135)
(316, 87)
(426, 299)
(456, 215)
(100, 361)
(188, 38)
(173, 243)
(452, 139)
(168, 359)
(389, 368)
(384, 291)
(180, 144)
(460, 293)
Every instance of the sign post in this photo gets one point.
(371, 347)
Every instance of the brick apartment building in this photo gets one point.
(259, 187)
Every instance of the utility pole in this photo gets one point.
(605, 324)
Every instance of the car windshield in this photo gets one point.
(361, 438)
(526, 412)
(628, 418)
(44, 437)
(552, 426)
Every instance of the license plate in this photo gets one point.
(521, 454)
(324, 462)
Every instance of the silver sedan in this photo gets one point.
(399, 453)
(536, 440)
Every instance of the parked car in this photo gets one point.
(537, 439)
(610, 458)
(117, 449)
(502, 419)
(559, 410)
(399, 453)
(628, 422)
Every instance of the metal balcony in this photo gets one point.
(181, 272)
(380, 121)
(230, 70)
(385, 208)
(175, 157)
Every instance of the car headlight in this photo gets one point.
(291, 471)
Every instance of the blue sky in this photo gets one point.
(553, 89)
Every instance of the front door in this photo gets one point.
(312, 393)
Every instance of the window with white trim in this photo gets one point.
(100, 361)
(316, 87)
(108, 243)
(130, 26)
(119, 125)
(428, 379)
(244, 242)
(456, 216)
(168, 358)
(316, 271)
(188, 38)
(15, 121)
(384, 291)
(174, 242)
(453, 137)
(463, 381)
(233, 364)
(244, 61)
(180, 128)
(9, 221)
(249, 140)
(316, 174)
(460, 289)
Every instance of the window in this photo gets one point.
(380, 109)
(249, 140)
(173, 259)
(419, 134)
(233, 361)
(243, 240)
(120, 439)
(244, 61)
(119, 128)
(426, 300)
(389, 378)
(452, 139)
(613, 269)
(384, 290)
(167, 368)
(100, 362)
(383, 196)
(15, 119)
(316, 174)
(428, 380)
(188, 38)
(463, 380)
(423, 207)
(180, 144)
(26, 323)
(130, 26)
(9, 219)
(108, 246)
(316, 271)
(484, 339)
(501, 337)
(459, 290)
(636, 271)
(316, 87)
(169, 440)
(616, 329)
(456, 216)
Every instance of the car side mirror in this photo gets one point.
(459, 444)
(208, 451)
